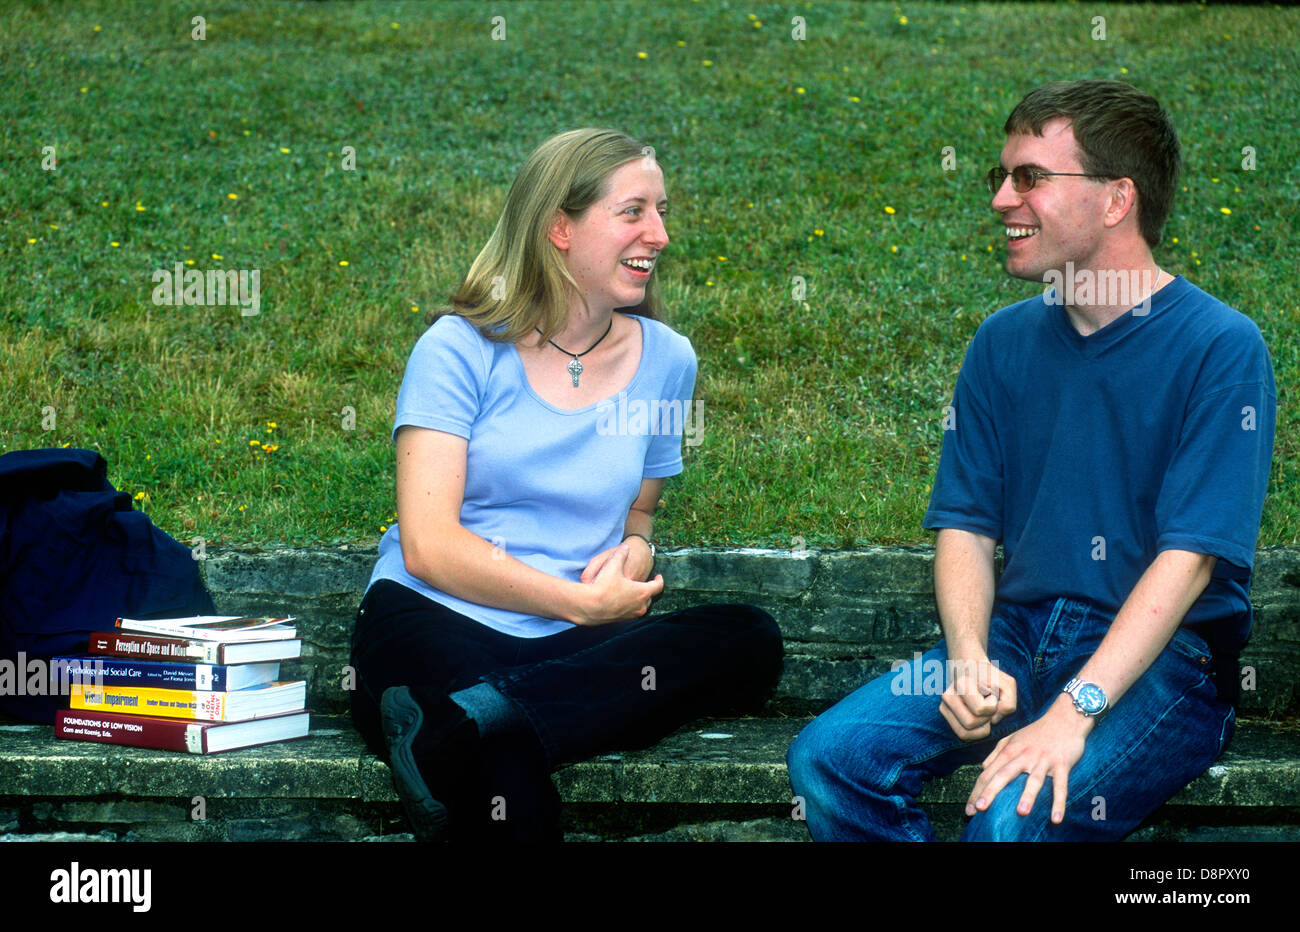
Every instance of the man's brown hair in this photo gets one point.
(1121, 133)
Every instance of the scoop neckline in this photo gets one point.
(640, 365)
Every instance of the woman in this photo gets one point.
(503, 632)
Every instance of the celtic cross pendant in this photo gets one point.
(575, 370)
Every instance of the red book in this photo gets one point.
(169, 734)
(154, 647)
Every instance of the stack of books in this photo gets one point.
(201, 685)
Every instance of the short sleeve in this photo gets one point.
(968, 488)
(679, 415)
(1212, 495)
(445, 378)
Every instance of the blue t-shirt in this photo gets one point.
(1087, 456)
(551, 487)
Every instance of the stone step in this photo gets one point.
(329, 786)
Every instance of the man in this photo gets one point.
(1114, 434)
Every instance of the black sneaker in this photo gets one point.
(452, 740)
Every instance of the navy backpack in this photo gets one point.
(74, 557)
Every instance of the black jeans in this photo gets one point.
(584, 691)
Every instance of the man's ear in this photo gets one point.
(561, 231)
(1123, 201)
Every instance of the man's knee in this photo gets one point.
(1002, 822)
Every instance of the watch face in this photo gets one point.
(1091, 698)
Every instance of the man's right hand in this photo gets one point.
(979, 695)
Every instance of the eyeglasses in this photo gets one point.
(1023, 178)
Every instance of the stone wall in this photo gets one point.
(845, 615)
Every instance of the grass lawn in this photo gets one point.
(818, 159)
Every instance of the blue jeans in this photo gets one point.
(860, 766)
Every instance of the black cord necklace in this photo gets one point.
(575, 367)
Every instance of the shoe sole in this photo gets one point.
(402, 717)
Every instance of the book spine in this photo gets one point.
(146, 673)
(130, 730)
(146, 647)
(142, 700)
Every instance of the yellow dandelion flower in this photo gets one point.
(1215, 180)
(139, 496)
(889, 210)
(1175, 239)
(343, 262)
(707, 63)
(382, 528)
(641, 55)
(799, 90)
(252, 443)
(140, 207)
(270, 424)
(242, 507)
(215, 256)
(233, 196)
(758, 24)
(681, 44)
(395, 25)
(83, 90)
(1224, 210)
(114, 244)
(710, 284)
(189, 261)
(414, 308)
(893, 249)
(722, 258)
(963, 257)
(54, 226)
(97, 28)
(856, 100)
(819, 233)
(750, 204)
(1123, 71)
(31, 239)
(103, 203)
(902, 20)
(248, 132)
(751, 16)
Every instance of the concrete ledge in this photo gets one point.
(845, 615)
(329, 786)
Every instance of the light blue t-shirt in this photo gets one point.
(551, 487)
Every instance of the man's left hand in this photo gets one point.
(1048, 747)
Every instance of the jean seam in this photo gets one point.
(1049, 632)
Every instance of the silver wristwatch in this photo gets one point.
(1089, 698)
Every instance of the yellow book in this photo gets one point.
(238, 705)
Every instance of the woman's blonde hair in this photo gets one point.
(519, 281)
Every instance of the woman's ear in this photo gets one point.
(561, 230)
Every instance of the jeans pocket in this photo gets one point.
(1192, 646)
